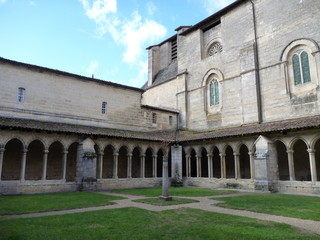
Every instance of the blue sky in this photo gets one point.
(107, 38)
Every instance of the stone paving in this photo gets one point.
(204, 203)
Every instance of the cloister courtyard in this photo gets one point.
(194, 213)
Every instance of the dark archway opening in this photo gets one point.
(193, 163)
(107, 164)
(230, 168)
(123, 162)
(136, 163)
(159, 163)
(283, 165)
(11, 165)
(71, 170)
(34, 161)
(216, 163)
(301, 161)
(244, 161)
(204, 163)
(54, 166)
(148, 163)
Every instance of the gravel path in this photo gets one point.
(205, 203)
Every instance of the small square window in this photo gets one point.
(104, 108)
(170, 120)
(21, 95)
(154, 118)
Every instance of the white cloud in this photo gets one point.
(2, 1)
(93, 66)
(99, 9)
(134, 33)
(151, 7)
(211, 6)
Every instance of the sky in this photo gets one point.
(104, 38)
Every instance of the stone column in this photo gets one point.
(100, 164)
(129, 170)
(198, 165)
(1, 160)
(291, 165)
(64, 164)
(251, 155)
(188, 159)
(154, 164)
(313, 168)
(142, 165)
(210, 175)
(23, 164)
(115, 165)
(44, 164)
(236, 166)
(223, 165)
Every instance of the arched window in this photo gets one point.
(301, 68)
(214, 92)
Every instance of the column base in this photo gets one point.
(265, 186)
(163, 198)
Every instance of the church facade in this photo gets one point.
(230, 102)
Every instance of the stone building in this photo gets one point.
(232, 101)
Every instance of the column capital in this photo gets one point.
(101, 153)
(65, 151)
(46, 151)
(142, 155)
(2, 149)
(188, 155)
(222, 154)
(209, 155)
(310, 150)
(116, 154)
(236, 154)
(290, 151)
(25, 150)
(129, 155)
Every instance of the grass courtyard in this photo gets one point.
(136, 223)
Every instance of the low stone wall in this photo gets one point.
(299, 187)
(106, 184)
(18, 187)
(245, 184)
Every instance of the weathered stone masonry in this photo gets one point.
(232, 101)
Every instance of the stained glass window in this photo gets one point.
(214, 93)
(301, 67)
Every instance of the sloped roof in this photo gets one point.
(254, 129)
(55, 127)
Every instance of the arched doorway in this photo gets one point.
(283, 164)
(230, 168)
(34, 160)
(216, 163)
(54, 165)
(204, 163)
(72, 156)
(12, 156)
(136, 163)
(193, 163)
(123, 162)
(149, 163)
(159, 162)
(107, 163)
(244, 161)
(301, 161)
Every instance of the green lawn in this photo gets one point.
(50, 202)
(159, 202)
(304, 207)
(174, 191)
(134, 223)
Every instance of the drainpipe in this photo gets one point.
(256, 64)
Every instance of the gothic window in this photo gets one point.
(214, 92)
(21, 94)
(104, 108)
(301, 68)
(214, 49)
(154, 118)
